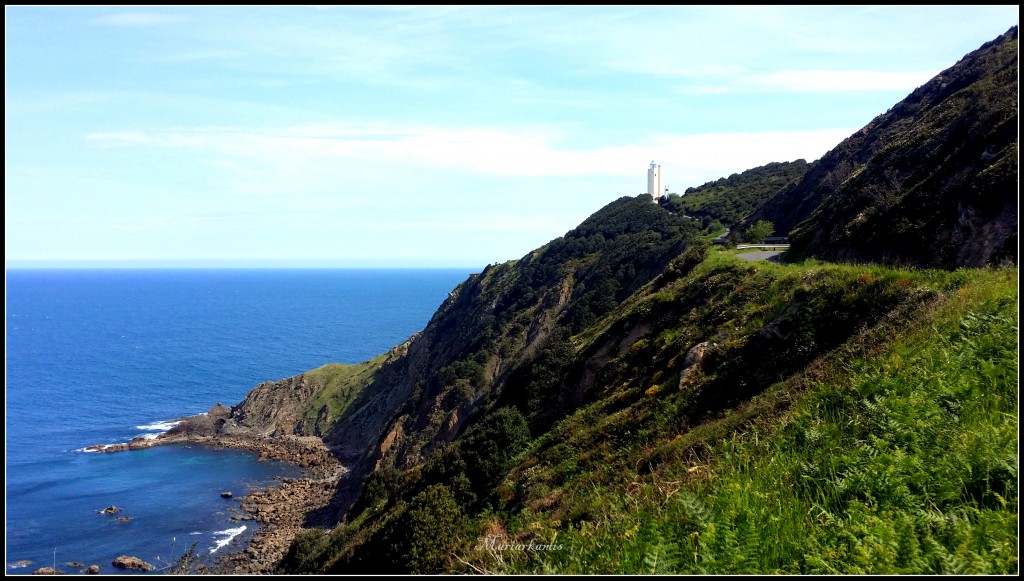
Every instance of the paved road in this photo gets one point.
(769, 255)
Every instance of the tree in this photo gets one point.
(758, 232)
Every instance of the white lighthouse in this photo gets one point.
(654, 182)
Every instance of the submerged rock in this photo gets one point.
(109, 510)
(74, 564)
(92, 570)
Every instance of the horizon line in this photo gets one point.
(235, 264)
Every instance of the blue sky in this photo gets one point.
(420, 136)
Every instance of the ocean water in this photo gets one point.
(102, 356)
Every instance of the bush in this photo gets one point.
(305, 552)
(433, 522)
(489, 446)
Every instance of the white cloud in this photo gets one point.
(136, 19)
(533, 152)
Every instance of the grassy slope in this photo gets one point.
(894, 453)
(341, 383)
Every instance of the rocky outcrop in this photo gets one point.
(47, 571)
(132, 563)
(271, 408)
(693, 362)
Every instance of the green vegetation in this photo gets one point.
(845, 419)
(894, 454)
(337, 386)
(757, 232)
(728, 200)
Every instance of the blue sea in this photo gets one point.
(102, 356)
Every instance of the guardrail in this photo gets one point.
(772, 246)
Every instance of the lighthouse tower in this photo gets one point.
(654, 182)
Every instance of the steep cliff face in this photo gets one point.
(932, 182)
(275, 407)
(479, 348)
(307, 404)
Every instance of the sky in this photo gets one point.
(418, 136)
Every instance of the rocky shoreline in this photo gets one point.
(282, 510)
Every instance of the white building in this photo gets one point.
(654, 182)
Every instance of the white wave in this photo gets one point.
(229, 535)
(99, 447)
(196, 533)
(159, 426)
(153, 431)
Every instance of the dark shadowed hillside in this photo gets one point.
(933, 181)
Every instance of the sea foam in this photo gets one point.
(159, 426)
(100, 447)
(229, 535)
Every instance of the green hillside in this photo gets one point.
(893, 452)
(630, 398)
(842, 419)
(729, 200)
